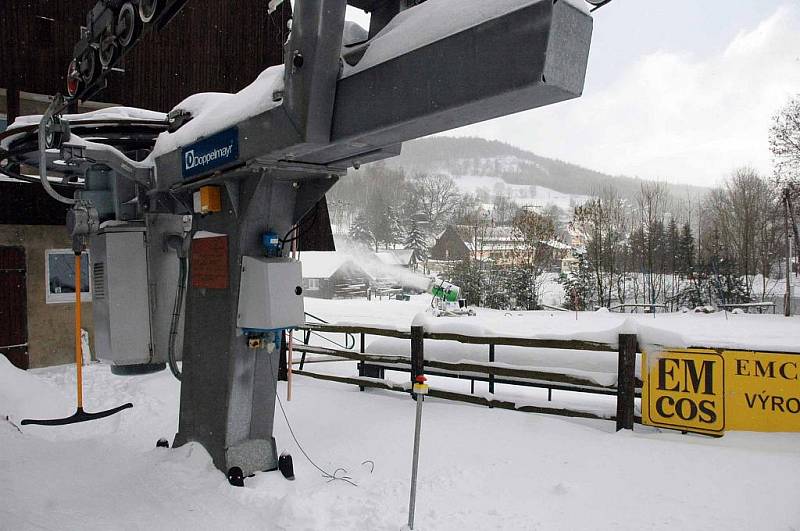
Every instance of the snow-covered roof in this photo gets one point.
(401, 257)
(323, 264)
(555, 244)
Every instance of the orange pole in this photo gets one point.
(78, 353)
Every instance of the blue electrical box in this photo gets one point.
(272, 244)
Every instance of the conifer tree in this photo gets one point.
(417, 241)
(360, 230)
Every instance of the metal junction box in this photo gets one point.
(270, 294)
(120, 298)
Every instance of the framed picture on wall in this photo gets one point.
(60, 276)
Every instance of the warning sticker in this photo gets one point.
(210, 262)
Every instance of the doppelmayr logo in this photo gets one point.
(192, 160)
(217, 150)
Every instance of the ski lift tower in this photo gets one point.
(249, 170)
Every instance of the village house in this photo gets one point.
(497, 244)
(333, 275)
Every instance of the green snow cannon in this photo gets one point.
(445, 291)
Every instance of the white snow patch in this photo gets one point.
(24, 396)
(214, 112)
(428, 22)
(772, 333)
(542, 472)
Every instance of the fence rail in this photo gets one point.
(371, 367)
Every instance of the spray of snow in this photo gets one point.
(370, 263)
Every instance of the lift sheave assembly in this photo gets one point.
(214, 182)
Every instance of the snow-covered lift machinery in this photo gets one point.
(250, 166)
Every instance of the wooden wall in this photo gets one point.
(210, 46)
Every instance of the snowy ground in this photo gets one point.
(480, 468)
(679, 330)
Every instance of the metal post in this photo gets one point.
(361, 371)
(417, 352)
(282, 366)
(626, 385)
(787, 298)
(419, 389)
(491, 374)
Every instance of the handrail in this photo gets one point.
(357, 329)
(638, 305)
(554, 308)
(466, 366)
(747, 304)
(566, 344)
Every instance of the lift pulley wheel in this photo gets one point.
(107, 49)
(147, 9)
(73, 78)
(87, 66)
(127, 24)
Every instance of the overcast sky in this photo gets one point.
(679, 90)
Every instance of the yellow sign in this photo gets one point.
(708, 391)
(684, 390)
(762, 391)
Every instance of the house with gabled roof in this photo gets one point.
(333, 275)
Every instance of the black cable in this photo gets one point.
(336, 343)
(34, 180)
(176, 315)
(326, 475)
(299, 228)
(330, 477)
(598, 6)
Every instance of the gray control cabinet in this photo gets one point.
(270, 294)
(120, 297)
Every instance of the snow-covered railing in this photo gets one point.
(372, 367)
(746, 305)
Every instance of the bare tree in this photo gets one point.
(784, 142)
(538, 239)
(436, 197)
(652, 202)
(746, 218)
(604, 221)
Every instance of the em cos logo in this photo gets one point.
(685, 389)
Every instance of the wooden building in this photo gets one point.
(333, 275)
(449, 246)
(37, 281)
(210, 46)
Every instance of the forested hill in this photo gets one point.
(477, 156)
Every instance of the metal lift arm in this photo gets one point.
(427, 67)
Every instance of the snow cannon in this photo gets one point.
(445, 291)
(447, 301)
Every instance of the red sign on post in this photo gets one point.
(210, 262)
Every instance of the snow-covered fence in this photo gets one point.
(372, 367)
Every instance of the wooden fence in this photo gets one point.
(371, 368)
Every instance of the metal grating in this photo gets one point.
(99, 280)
